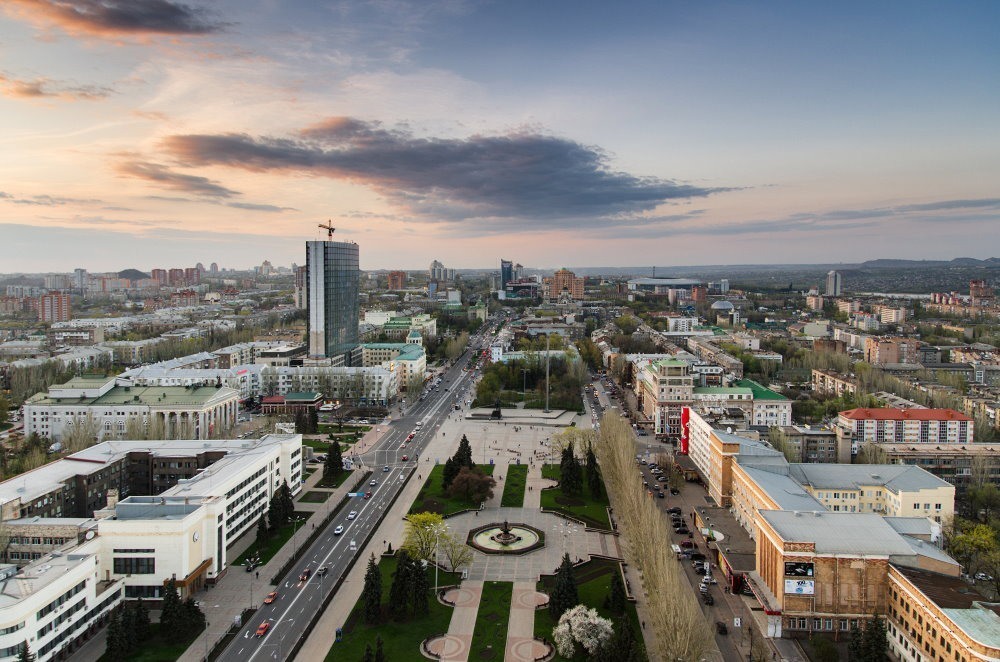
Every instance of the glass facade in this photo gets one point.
(333, 279)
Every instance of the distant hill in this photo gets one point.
(132, 274)
(919, 264)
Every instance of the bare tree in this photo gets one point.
(979, 474)
(135, 429)
(81, 433)
(675, 616)
(779, 441)
(871, 452)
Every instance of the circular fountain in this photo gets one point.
(506, 538)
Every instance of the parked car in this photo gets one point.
(709, 579)
(674, 491)
(674, 509)
(708, 599)
(682, 531)
(385, 469)
(661, 494)
(687, 544)
(983, 577)
(721, 628)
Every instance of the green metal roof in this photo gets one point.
(147, 395)
(760, 392)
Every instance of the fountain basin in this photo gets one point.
(491, 539)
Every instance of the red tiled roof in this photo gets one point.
(888, 414)
(273, 400)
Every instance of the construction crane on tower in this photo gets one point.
(329, 229)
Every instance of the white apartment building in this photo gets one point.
(681, 324)
(905, 426)
(407, 360)
(192, 411)
(242, 378)
(376, 384)
(662, 388)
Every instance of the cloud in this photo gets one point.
(110, 18)
(522, 176)
(253, 206)
(164, 177)
(46, 200)
(47, 88)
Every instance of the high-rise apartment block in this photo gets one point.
(333, 279)
(564, 281)
(397, 279)
(506, 273)
(833, 284)
(905, 426)
(54, 307)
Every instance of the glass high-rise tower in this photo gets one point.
(333, 279)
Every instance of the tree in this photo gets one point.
(81, 433)
(622, 646)
(369, 654)
(372, 592)
(24, 653)
(615, 602)
(172, 611)
(400, 591)
(564, 594)
(141, 620)
(448, 473)
(263, 534)
(379, 653)
(855, 645)
(192, 617)
(583, 626)
(277, 513)
(463, 456)
(594, 482)
(334, 465)
(571, 476)
(973, 544)
(823, 650)
(4, 410)
(871, 452)
(455, 552)
(420, 587)
(421, 534)
(472, 485)
(874, 643)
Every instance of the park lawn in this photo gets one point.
(328, 428)
(400, 639)
(514, 486)
(158, 648)
(489, 639)
(335, 481)
(433, 499)
(593, 585)
(276, 541)
(315, 497)
(323, 445)
(583, 506)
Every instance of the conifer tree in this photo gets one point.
(117, 648)
(263, 535)
(334, 465)
(420, 585)
(616, 596)
(172, 612)
(24, 653)
(372, 592)
(593, 474)
(400, 590)
(564, 594)
(379, 653)
(451, 470)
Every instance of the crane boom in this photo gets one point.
(329, 229)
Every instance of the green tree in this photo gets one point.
(24, 653)
(463, 456)
(172, 611)
(401, 590)
(571, 476)
(4, 410)
(823, 650)
(420, 586)
(142, 626)
(276, 512)
(263, 535)
(334, 465)
(369, 654)
(616, 600)
(422, 532)
(875, 642)
(192, 617)
(372, 592)
(117, 646)
(622, 646)
(564, 594)
(594, 483)
(449, 472)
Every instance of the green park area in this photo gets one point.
(489, 640)
(158, 647)
(401, 637)
(434, 498)
(514, 485)
(593, 581)
(593, 511)
(315, 497)
(331, 482)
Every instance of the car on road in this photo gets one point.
(983, 577)
(322, 571)
(368, 495)
(682, 531)
(687, 544)
(674, 509)
(385, 470)
(405, 458)
(305, 575)
(352, 514)
(674, 491)
(662, 478)
(263, 628)
(708, 599)
(271, 597)
(338, 530)
(661, 494)
(374, 482)
(709, 579)
(721, 628)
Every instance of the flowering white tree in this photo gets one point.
(583, 626)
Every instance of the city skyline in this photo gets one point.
(157, 132)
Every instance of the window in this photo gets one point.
(135, 566)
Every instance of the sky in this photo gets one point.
(160, 133)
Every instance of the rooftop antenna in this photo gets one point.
(329, 229)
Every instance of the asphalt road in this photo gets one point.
(298, 601)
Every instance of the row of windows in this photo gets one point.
(135, 551)
(71, 631)
(47, 609)
(819, 624)
(244, 483)
(36, 540)
(143, 565)
(11, 628)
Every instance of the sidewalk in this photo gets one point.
(521, 644)
(455, 647)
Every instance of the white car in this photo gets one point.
(983, 577)
(338, 530)
(373, 482)
(352, 514)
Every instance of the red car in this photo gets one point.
(263, 628)
(305, 575)
(368, 495)
(271, 597)
(405, 458)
